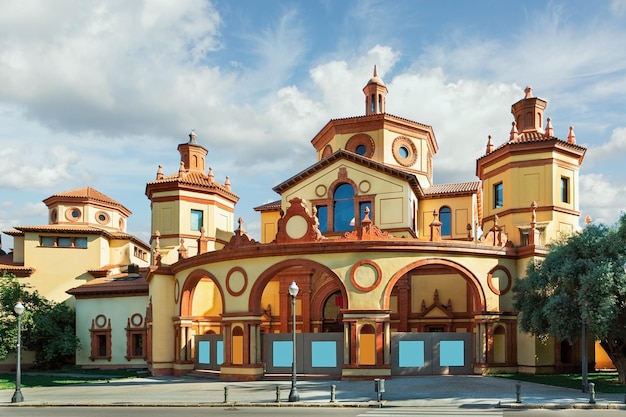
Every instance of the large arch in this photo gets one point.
(189, 288)
(266, 276)
(477, 290)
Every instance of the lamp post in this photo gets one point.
(293, 394)
(17, 396)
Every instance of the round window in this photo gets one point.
(102, 217)
(73, 214)
(404, 151)
(361, 149)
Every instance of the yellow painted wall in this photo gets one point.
(391, 203)
(269, 225)
(450, 287)
(119, 310)
(463, 212)
(162, 295)
(206, 299)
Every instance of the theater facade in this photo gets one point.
(396, 275)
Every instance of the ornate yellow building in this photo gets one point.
(85, 244)
(395, 276)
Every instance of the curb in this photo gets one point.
(304, 404)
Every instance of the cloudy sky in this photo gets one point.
(100, 93)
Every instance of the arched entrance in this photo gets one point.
(319, 328)
(435, 305)
(198, 327)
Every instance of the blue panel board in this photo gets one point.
(282, 353)
(451, 353)
(411, 353)
(220, 352)
(324, 354)
(204, 352)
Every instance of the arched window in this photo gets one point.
(367, 345)
(445, 217)
(343, 208)
(237, 346)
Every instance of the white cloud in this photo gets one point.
(601, 199)
(613, 149)
(618, 7)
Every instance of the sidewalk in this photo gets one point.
(452, 391)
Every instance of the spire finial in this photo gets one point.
(192, 136)
(529, 92)
(375, 71)
(160, 173)
(514, 135)
(549, 129)
(571, 136)
(489, 146)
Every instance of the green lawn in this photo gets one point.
(64, 377)
(605, 382)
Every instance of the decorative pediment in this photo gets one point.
(496, 236)
(436, 309)
(297, 225)
(240, 238)
(367, 231)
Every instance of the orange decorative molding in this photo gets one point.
(231, 277)
(490, 282)
(240, 238)
(367, 231)
(297, 225)
(354, 279)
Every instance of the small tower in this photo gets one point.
(532, 167)
(528, 112)
(190, 206)
(375, 92)
(192, 154)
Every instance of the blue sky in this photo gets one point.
(101, 93)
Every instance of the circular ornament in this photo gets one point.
(236, 281)
(365, 275)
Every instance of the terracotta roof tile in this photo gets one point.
(70, 228)
(195, 178)
(87, 194)
(119, 284)
(343, 154)
(274, 205)
(457, 188)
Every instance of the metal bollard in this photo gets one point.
(518, 393)
(592, 393)
(332, 393)
(277, 393)
(225, 395)
(379, 388)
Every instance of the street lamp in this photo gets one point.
(17, 396)
(293, 394)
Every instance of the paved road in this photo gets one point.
(464, 392)
(296, 412)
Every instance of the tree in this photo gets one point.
(581, 278)
(48, 328)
